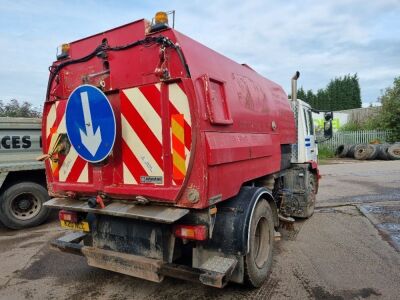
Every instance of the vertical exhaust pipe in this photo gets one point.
(294, 85)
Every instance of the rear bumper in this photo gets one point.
(147, 268)
(153, 213)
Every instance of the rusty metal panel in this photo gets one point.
(128, 264)
(153, 213)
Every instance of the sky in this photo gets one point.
(321, 39)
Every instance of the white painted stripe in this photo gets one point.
(84, 176)
(179, 99)
(144, 108)
(53, 141)
(158, 86)
(61, 129)
(68, 164)
(128, 177)
(139, 149)
(187, 155)
(51, 118)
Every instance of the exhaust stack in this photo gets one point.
(294, 85)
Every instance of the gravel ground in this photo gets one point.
(342, 252)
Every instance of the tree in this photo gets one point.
(15, 109)
(301, 94)
(340, 93)
(343, 93)
(389, 116)
(310, 98)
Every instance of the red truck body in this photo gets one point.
(189, 140)
(168, 159)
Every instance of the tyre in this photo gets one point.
(350, 153)
(361, 152)
(383, 149)
(311, 196)
(21, 205)
(394, 151)
(342, 150)
(258, 262)
(373, 151)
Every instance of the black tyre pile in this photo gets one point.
(370, 151)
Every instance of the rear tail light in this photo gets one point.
(70, 216)
(191, 232)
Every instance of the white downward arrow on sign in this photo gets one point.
(89, 139)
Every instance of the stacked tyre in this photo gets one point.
(369, 151)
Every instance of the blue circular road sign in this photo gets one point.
(90, 123)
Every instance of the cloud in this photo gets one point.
(322, 39)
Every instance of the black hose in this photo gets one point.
(54, 70)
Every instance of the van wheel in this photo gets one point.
(258, 261)
(21, 205)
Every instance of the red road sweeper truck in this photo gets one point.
(166, 158)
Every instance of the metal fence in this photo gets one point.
(354, 137)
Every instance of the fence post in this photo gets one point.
(354, 137)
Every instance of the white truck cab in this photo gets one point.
(306, 149)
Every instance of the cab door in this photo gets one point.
(311, 150)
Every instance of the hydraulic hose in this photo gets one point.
(104, 47)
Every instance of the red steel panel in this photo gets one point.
(239, 145)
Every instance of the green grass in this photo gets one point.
(325, 153)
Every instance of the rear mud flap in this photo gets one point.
(128, 264)
(217, 271)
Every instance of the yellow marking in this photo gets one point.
(178, 131)
(179, 162)
(180, 101)
(53, 165)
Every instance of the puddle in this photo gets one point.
(392, 231)
(386, 219)
(384, 211)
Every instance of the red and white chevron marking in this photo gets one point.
(142, 140)
(69, 168)
(179, 104)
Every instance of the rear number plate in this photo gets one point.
(81, 226)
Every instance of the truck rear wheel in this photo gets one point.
(21, 205)
(258, 261)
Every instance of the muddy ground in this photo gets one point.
(349, 249)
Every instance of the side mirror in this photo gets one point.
(328, 128)
(328, 116)
(328, 131)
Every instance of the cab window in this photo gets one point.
(311, 123)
